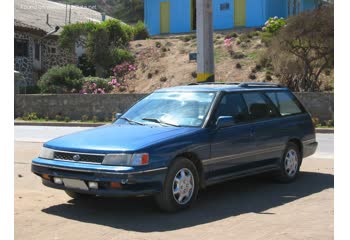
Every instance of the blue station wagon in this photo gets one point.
(178, 140)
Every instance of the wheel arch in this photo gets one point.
(297, 142)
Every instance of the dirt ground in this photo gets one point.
(250, 208)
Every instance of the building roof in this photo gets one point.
(32, 14)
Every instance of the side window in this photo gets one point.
(258, 106)
(232, 105)
(285, 103)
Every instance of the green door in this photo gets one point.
(165, 17)
(240, 13)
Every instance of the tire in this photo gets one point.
(77, 196)
(177, 192)
(290, 163)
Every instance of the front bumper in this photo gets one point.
(132, 181)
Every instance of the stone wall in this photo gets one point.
(74, 106)
(51, 55)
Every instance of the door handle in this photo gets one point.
(251, 132)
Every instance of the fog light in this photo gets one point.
(93, 185)
(58, 180)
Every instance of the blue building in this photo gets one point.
(179, 16)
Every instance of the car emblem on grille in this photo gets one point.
(76, 157)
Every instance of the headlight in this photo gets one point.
(139, 159)
(46, 153)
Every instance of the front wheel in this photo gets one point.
(180, 188)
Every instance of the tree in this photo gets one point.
(101, 41)
(304, 48)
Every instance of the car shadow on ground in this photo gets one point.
(248, 195)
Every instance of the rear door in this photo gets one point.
(268, 132)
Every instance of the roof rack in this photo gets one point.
(241, 84)
(259, 85)
(215, 83)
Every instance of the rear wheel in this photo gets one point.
(290, 163)
(181, 186)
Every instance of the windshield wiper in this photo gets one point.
(159, 121)
(131, 121)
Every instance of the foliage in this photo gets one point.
(86, 66)
(122, 55)
(120, 72)
(30, 116)
(96, 85)
(100, 41)
(66, 79)
(140, 31)
(272, 25)
(129, 11)
(303, 49)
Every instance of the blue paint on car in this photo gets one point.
(194, 135)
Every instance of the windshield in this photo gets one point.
(185, 109)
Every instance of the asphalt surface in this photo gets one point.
(43, 134)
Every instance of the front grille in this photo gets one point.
(82, 157)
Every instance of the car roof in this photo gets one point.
(224, 87)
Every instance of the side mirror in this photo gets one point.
(118, 115)
(225, 121)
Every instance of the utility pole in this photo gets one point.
(205, 49)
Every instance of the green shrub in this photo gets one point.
(158, 44)
(274, 24)
(59, 117)
(94, 119)
(122, 55)
(188, 38)
(84, 118)
(30, 116)
(65, 79)
(140, 31)
(92, 84)
(67, 119)
(29, 90)
(266, 38)
(87, 67)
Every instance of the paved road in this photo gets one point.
(43, 134)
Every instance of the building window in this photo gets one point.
(224, 6)
(21, 48)
(37, 51)
(51, 50)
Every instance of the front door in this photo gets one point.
(165, 17)
(232, 148)
(240, 13)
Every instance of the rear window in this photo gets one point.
(285, 103)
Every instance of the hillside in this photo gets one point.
(165, 62)
(129, 11)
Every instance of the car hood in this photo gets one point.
(116, 138)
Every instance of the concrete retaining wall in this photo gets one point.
(74, 106)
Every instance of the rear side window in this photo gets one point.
(258, 106)
(285, 103)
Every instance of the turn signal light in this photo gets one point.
(46, 176)
(116, 185)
